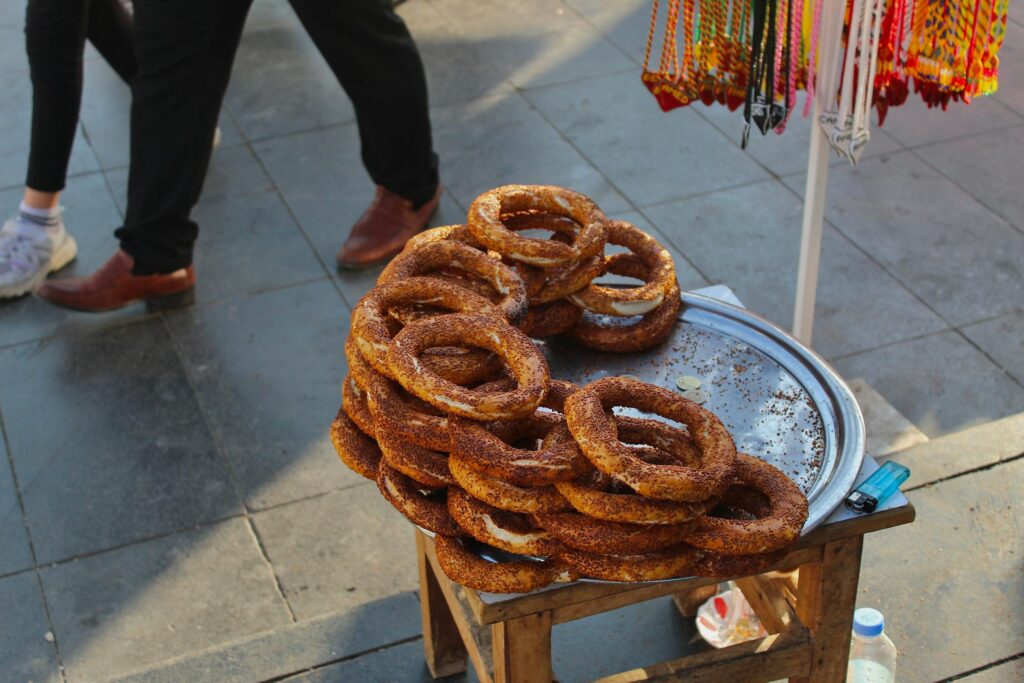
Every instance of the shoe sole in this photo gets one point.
(64, 255)
(154, 304)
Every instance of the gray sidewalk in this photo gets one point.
(170, 501)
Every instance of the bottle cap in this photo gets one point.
(868, 622)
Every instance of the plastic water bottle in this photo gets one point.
(872, 654)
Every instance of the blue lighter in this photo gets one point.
(883, 483)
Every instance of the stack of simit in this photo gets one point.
(449, 406)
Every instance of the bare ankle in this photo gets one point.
(40, 200)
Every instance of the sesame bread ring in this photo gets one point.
(498, 528)
(668, 445)
(488, 454)
(359, 452)
(775, 528)
(485, 224)
(596, 495)
(524, 360)
(401, 414)
(505, 496)
(449, 255)
(457, 233)
(358, 369)
(459, 366)
(353, 401)
(548, 320)
(428, 510)
(370, 319)
(649, 331)
(598, 439)
(429, 468)
(682, 560)
(545, 285)
(581, 532)
(728, 566)
(632, 300)
(519, 576)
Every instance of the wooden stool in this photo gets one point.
(808, 615)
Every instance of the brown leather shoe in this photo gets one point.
(114, 286)
(383, 230)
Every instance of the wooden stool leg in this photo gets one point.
(688, 602)
(826, 597)
(522, 649)
(442, 644)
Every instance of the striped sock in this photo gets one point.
(46, 218)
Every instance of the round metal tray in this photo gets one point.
(780, 401)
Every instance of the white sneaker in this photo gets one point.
(29, 252)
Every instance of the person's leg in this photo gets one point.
(34, 243)
(55, 41)
(376, 61)
(109, 29)
(185, 50)
(371, 52)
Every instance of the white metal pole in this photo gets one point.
(817, 171)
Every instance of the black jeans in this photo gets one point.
(55, 35)
(186, 49)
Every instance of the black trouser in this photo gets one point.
(55, 34)
(186, 49)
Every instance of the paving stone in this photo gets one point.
(294, 647)
(887, 430)
(1011, 65)
(328, 193)
(402, 663)
(339, 551)
(1010, 672)
(150, 601)
(259, 239)
(457, 67)
(24, 651)
(786, 154)
(749, 239)
(567, 49)
(651, 156)
(281, 84)
(132, 457)
(16, 113)
(981, 446)
(626, 23)
(234, 172)
(955, 254)
(268, 371)
(1003, 340)
(940, 382)
(15, 554)
(502, 139)
(514, 16)
(949, 584)
(12, 38)
(986, 166)
(106, 116)
(914, 124)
